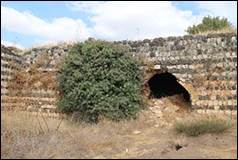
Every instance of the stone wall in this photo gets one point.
(204, 65)
(38, 95)
(10, 63)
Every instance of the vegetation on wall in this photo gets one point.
(211, 24)
(98, 79)
(33, 78)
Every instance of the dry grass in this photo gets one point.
(225, 30)
(27, 136)
(195, 126)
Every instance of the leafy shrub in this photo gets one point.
(98, 78)
(195, 128)
(209, 24)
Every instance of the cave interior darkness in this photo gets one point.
(166, 84)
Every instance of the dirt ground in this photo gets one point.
(25, 136)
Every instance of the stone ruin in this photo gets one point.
(201, 68)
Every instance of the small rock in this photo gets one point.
(38, 84)
(137, 132)
(30, 108)
(157, 67)
(156, 107)
(217, 108)
(156, 125)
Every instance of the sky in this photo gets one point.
(26, 24)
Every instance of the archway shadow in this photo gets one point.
(166, 84)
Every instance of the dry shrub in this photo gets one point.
(21, 133)
(27, 136)
(197, 125)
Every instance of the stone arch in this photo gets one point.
(164, 84)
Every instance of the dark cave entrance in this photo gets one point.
(166, 84)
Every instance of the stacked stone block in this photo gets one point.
(10, 62)
(205, 65)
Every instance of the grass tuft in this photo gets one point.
(198, 127)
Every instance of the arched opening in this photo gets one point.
(166, 84)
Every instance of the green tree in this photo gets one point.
(209, 24)
(99, 78)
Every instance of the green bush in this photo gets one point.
(209, 24)
(99, 78)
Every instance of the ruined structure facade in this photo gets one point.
(205, 65)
